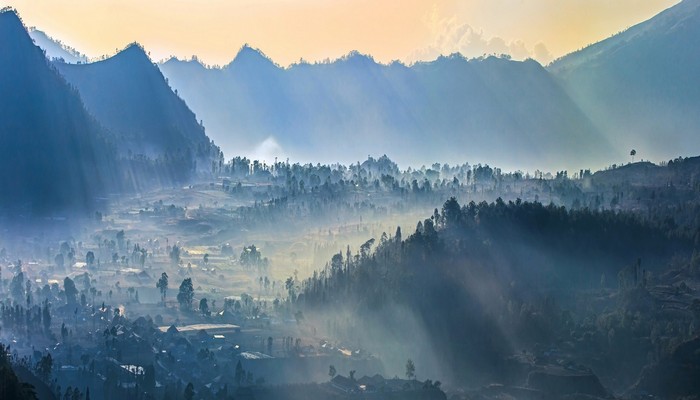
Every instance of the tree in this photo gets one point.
(633, 153)
(410, 369)
(239, 375)
(451, 212)
(186, 294)
(251, 257)
(162, 285)
(44, 366)
(189, 391)
(175, 255)
(90, 258)
(120, 239)
(17, 287)
(70, 290)
(331, 371)
(10, 386)
(46, 317)
(204, 306)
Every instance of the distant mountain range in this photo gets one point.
(71, 133)
(642, 87)
(638, 89)
(513, 114)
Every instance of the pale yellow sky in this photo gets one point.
(287, 30)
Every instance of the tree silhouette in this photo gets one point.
(204, 306)
(70, 290)
(162, 285)
(239, 375)
(410, 369)
(186, 294)
(189, 391)
(90, 258)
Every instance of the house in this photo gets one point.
(370, 384)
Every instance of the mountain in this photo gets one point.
(53, 155)
(55, 49)
(128, 94)
(641, 86)
(453, 109)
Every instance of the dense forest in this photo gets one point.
(475, 283)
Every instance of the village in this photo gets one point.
(140, 308)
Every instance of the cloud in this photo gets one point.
(451, 36)
(542, 54)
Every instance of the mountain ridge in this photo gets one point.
(641, 86)
(593, 98)
(129, 95)
(55, 49)
(316, 104)
(53, 156)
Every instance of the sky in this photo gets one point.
(314, 30)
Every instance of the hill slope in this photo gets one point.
(128, 94)
(510, 113)
(445, 291)
(52, 154)
(56, 49)
(642, 87)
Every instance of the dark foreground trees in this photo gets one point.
(10, 386)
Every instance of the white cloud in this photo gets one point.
(542, 54)
(451, 36)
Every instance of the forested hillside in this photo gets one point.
(475, 283)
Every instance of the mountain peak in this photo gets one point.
(134, 51)
(684, 14)
(248, 55)
(10, 21)
(41, 169)
(9, 14)
(357, 58)
(13, 35)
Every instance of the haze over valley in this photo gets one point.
(461, 227)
